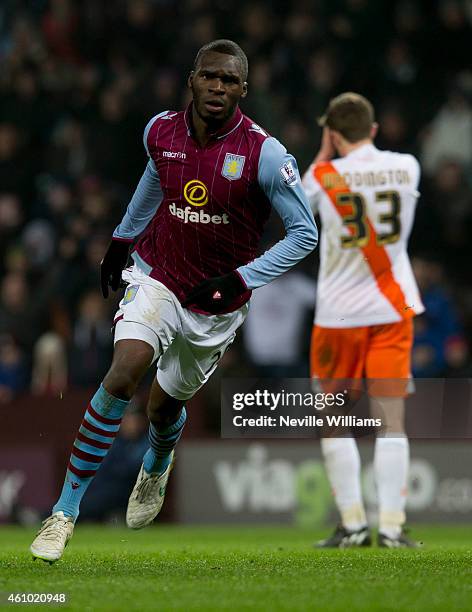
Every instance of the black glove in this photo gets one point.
(216, 294)
(113, 264)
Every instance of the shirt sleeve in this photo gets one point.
(280, 181)
(415, 173)
(312, 189)
(145, 201)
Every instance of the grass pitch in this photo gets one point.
(214, 568)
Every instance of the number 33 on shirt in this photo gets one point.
(366, 201)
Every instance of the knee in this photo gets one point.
(131, 361)
(120, 382)
(153, 411)
(163, 412)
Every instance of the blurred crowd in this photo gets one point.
(80, 79)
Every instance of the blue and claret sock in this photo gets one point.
(97, 431)
(163, 441)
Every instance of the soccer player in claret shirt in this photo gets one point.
(197, 214)
(366, 300)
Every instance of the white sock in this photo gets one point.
(391, 463)
(343, 466)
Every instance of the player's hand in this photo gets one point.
(327, 150)
(113, 264)
(216, 294)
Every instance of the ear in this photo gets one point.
(373, 130)
(190, 80)
(244, 94)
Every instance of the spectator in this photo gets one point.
(19, 314)
(438, 328)
(448, 136)
(80, 80)
(449, 185)
(13, 369)
(49, 365)
(91, 348)
(276, 334)
(11, 217)
(394, 130)
(16, 173)
(38, 243)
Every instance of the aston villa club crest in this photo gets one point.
(130, 294)
(233, 166)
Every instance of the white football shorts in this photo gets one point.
(187, 345)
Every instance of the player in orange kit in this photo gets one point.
(366, 300)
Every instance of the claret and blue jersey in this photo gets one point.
(199, 212)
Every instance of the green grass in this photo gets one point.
(250, 568)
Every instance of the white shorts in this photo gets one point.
(187, 345)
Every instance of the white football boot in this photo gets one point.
(147, 497)
(52, 538)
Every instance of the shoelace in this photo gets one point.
(145, 486)
(51, 528)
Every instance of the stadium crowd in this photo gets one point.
(80, 79)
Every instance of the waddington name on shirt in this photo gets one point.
(309, 420)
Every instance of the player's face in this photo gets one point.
(217, 86)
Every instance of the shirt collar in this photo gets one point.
(363, 152)
(228, 127)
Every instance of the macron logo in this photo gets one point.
(257, 128)
(174, 155)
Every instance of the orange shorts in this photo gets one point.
(371, 352)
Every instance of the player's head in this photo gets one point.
(218, 80)
(350, 119)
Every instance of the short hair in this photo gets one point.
(351, 115)
(227, 47)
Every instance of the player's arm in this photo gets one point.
(327, 150)
(279, 179)
(311, 186)
(141, 209)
